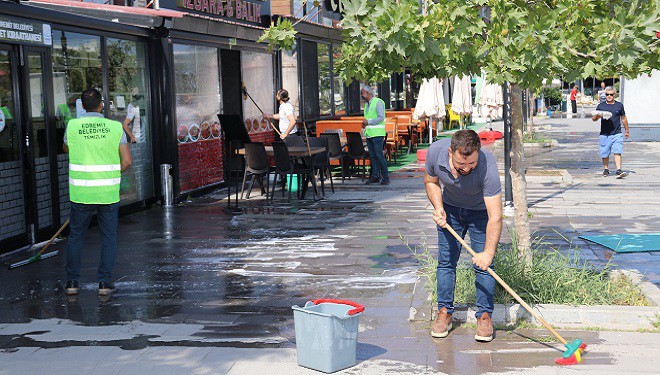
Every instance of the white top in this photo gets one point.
(133, 114)
(286, 109)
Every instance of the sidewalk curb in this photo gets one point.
(551, 143)
(564, 178)
(560, 316)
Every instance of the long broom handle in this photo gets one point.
(508, 288)
(54, 237)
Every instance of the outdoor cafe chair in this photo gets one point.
(256, 164)
(356, 150)
(335, 150)
(285, 167)
(322, 161)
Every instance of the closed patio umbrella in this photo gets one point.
(461, 102)
(430, 103)
(491, 101)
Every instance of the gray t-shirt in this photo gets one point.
(465, 191)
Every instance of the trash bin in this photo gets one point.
(563, 105)
(166, 184)
(326, 334)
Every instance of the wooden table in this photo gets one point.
(294, 151)
(299, 152)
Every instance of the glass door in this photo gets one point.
(26, 199)
(13, 216)
(41, 153)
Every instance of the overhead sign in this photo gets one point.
(19, 30)
(335, 5)
(251, 11)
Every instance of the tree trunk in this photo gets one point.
(530, 114)
(518, 177)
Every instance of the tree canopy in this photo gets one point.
(522, 42)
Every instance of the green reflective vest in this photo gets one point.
(377, 130)
(94, 163)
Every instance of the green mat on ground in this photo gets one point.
(404, 159)
(628, 243)
(448, 133)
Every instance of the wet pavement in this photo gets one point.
(200, 290)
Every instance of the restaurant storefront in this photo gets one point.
(214, 54)
(47, 58)
(174, 69)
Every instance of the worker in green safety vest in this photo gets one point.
(374, 131)
(98, 154)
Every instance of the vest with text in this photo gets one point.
(376, 130)
(94, 163)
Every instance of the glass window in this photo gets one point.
(76, 67)
(258, 77)
(290, 77)
(325, 90)
(198, 102)
(130, 105)
(338, 85)
(311, 12)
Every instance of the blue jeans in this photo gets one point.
(377, 158)
(463, 221)
(81, 214)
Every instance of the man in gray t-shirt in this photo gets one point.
(463, 184)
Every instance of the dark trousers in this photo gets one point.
(377, 158)
(81, 215)
(463, 221)
(574, 106)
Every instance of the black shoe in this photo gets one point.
(106, 288)
(385, 181)
(621, 174)
(72, 288)
(606, 172)
(372, 181)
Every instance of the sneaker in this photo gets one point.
(606, 172)
(484, 328)
(385, 181)
(72, 287)
(106, 288)
(372, 181)
(442, 325)
(621, 174)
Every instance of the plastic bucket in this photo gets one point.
(326, 334)
(292, 182)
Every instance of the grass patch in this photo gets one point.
(553, 278)
(656, 322)
(535, 137)
(428, 264)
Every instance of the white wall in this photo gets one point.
(640, 96)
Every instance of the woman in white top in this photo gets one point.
(285, 115)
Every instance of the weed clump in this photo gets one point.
(553, 278)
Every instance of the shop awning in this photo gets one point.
(125, 14)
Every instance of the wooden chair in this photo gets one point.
(392, 139)
(406, 138)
